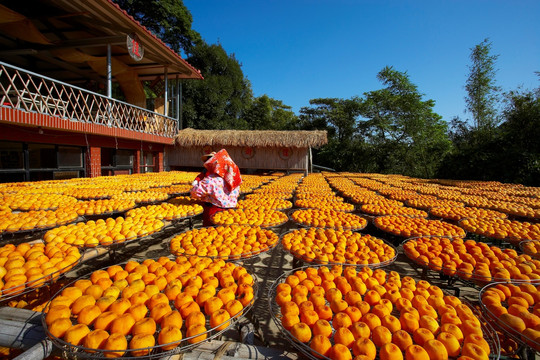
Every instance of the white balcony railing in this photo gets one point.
(28, 91)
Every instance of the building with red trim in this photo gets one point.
(72, 100)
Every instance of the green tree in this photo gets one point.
(482, 92)
(509, 153)
(520, 132)
(266, 113)
(339, 118)
(476, 147)
(473, 155)
(391, 130)
(169, 20)
(222, 98)
(405, 135)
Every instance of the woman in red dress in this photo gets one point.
(218, 186)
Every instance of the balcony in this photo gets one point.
(78, 109)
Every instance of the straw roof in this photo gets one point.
(260, 138)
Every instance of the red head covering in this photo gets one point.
(222, 165)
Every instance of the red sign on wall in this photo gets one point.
(285, 153)
(248, 152)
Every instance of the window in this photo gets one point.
(42, 156)
(32, 162)
(124, 157)
(12, 177)
(11, 155)
(107, 157)
(69, 156)
(147, 162)
(116, 161)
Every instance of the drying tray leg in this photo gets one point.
(526, 353)
(296, 263)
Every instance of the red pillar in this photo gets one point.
(137, 162)
(93, 162)
(159, 161)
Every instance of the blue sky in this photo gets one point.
(297, 50)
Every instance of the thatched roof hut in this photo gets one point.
(250, 149)
(254, 138)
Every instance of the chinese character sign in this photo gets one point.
(135, 48)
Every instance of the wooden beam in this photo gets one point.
(21, 315)
(21, 329)
(50, 59)
(69, 44)
(41, 350)
(90, 42)
(64, 16)
(91, 23)
(17, 52)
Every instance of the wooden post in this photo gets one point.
(310, 160)
(178, 104)
(21, 328)
(109, 72)
(41, 350)
(166, 108)
(307, 163)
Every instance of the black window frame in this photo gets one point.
(30, 173)
(115, 167)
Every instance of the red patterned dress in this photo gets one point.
(219, 187)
